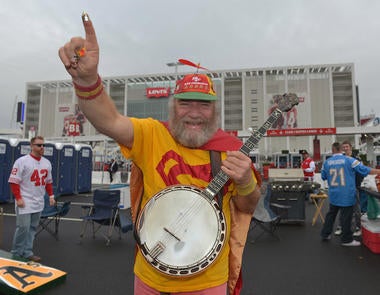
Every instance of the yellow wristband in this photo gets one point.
(244, 190)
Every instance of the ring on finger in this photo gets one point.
(75, 59)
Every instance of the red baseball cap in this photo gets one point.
(196, 87)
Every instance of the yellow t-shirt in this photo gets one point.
(164, 162)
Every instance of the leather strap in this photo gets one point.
(216, 162)
(136, 179)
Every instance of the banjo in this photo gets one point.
(181, 230)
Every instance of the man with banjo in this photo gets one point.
(190, 222)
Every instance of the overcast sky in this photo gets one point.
(140, 37)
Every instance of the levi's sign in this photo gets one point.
(157, 92)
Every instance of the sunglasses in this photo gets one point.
(39, 144)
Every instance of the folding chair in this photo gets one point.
(51, 217)
(264, 218)
(103, 212)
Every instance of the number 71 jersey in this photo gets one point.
(32, 174)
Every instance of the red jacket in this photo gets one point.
(305, 165)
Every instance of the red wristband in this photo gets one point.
(89, 92)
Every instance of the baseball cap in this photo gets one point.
(304, 152)
(195, 86)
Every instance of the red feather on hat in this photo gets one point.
(190, 63)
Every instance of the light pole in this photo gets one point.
(175, 65)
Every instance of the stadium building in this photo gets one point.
(328, 103)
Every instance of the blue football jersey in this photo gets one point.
(339, 171)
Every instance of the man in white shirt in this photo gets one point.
(30, 178)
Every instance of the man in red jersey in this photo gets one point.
(308, 166)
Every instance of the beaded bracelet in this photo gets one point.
(89, 92)
(244, 190)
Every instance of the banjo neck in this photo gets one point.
(221, 178)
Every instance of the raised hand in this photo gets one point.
(81, 56)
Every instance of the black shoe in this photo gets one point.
(34, 258)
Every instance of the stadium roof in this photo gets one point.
(234, 73)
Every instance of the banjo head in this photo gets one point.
(181, 231)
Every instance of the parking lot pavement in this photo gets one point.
(297, 263)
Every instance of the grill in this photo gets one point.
(288, 190)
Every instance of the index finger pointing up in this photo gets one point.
(89, 29)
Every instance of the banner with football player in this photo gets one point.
(71, 120)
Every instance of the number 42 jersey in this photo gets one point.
(32, 174)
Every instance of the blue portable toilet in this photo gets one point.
(5, 169)
(51, 153)
(295, 160)
(20, 147)
(83, 171)
(66, 169)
